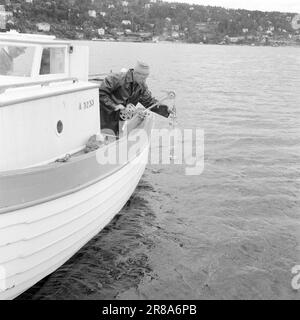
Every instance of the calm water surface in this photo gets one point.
(232, 232)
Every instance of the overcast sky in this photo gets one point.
(262, 5)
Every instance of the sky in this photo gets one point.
(261, 5)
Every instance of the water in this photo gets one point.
(232, 232)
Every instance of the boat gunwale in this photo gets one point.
(62, 226)
(55, 213)
(54, 165)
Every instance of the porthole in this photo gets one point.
(59, 127)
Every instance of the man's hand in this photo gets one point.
(170, 110)
(119, 107)
(165, 110)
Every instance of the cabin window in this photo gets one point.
(16, 60)
(53, 61)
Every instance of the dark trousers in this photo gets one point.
(109, 120)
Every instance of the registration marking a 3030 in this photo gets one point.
(86, 104)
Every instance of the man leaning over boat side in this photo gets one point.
(120, 89)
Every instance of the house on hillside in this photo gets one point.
(175, 34)
(101, 32)
(203, 27)
(92, 13)
(126, 22)
(235, 39)
(43, 26)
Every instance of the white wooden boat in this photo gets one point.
(50, 209)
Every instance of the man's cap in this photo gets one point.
(142, 67)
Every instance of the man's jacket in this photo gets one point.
(120, 88)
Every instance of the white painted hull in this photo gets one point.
(36, 240)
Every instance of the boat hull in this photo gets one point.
(38, 235)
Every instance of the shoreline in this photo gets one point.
(194, 43)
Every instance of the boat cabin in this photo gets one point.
(41, 57)
(48, 108)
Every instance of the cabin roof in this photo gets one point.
(31, 38)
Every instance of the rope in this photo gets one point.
(66, 158)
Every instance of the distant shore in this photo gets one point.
(257, 44)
